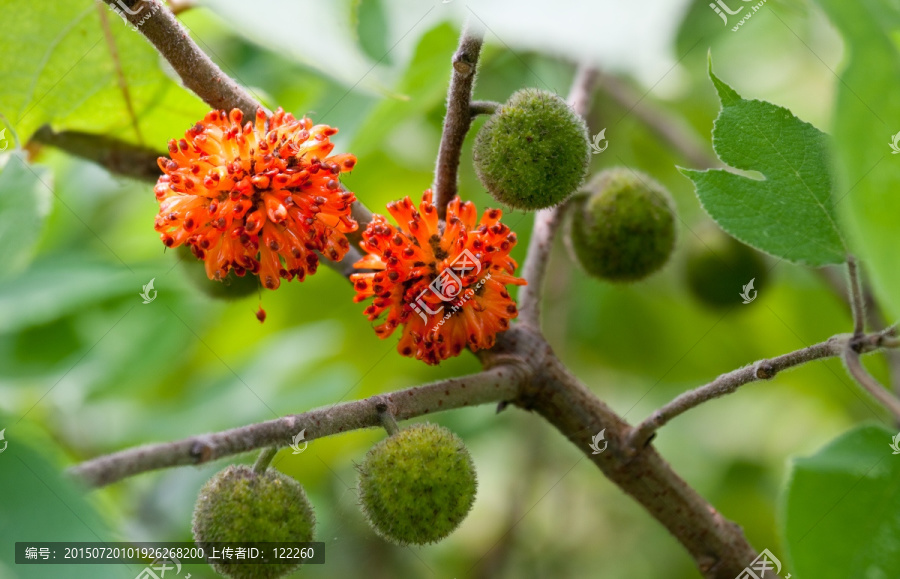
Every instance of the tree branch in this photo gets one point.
(114, 155)
(196, 70)
(717, 545)
(547, 221)
(459, 117)
(498, 384)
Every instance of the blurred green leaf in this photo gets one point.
(422, 86)
(788, 213)
(867, 173)
(60, 67)
(53, 287)
(39, 504)
(24, 203)
(840, 516)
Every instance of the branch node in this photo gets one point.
(201, 452)
(765, 370)
(386, 418)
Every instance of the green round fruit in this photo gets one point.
(417, 486)
(533, 152)
(718, 266)
(622, 228)
(230, 288)
(237, 504)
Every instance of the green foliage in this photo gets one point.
(840, 513)
(238, 504)
(35, 493)
(865, 118)
(789, 213)
(717, 266)
(417, 485)
(24, 203)
(533, 152)
(68, 72)
(623, 229)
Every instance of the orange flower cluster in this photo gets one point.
(259, 198)
(445, 284)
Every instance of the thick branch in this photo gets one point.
(546, 221)
(196, 70)
(458, 119)
(491, 386)
(717, 545)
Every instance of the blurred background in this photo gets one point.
(87, 369)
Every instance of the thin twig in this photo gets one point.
(488, 387)
(387, 419)
(856, 297)
(547, 221)
(731, 381)
(459, 116)
(264, 459)
(483, 108)
(867, 381)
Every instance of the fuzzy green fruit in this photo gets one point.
(533, 152)
(718, 266)
(230, 288)
(237, 504)
(623, 228)
(417, 486)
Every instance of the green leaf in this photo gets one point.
(39, 504)
(865, 118)
(841, 514)
(60, 67)
(24, 203)
(789, 213)
(423, 85)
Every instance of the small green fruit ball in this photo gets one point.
(533, 152)
(718, 266)
(237, 504)
(230, 288)
(623, 228)
(417, 485)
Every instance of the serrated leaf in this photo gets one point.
(844, 502)
(61, 67)
(789, 213)
(865, 117)
(24, 204)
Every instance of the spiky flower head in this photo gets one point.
(533, 152)
(418, 485)
(260, 198)
(239, 505)
(444, 283)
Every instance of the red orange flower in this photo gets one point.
(444, 283)
(261, 198)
